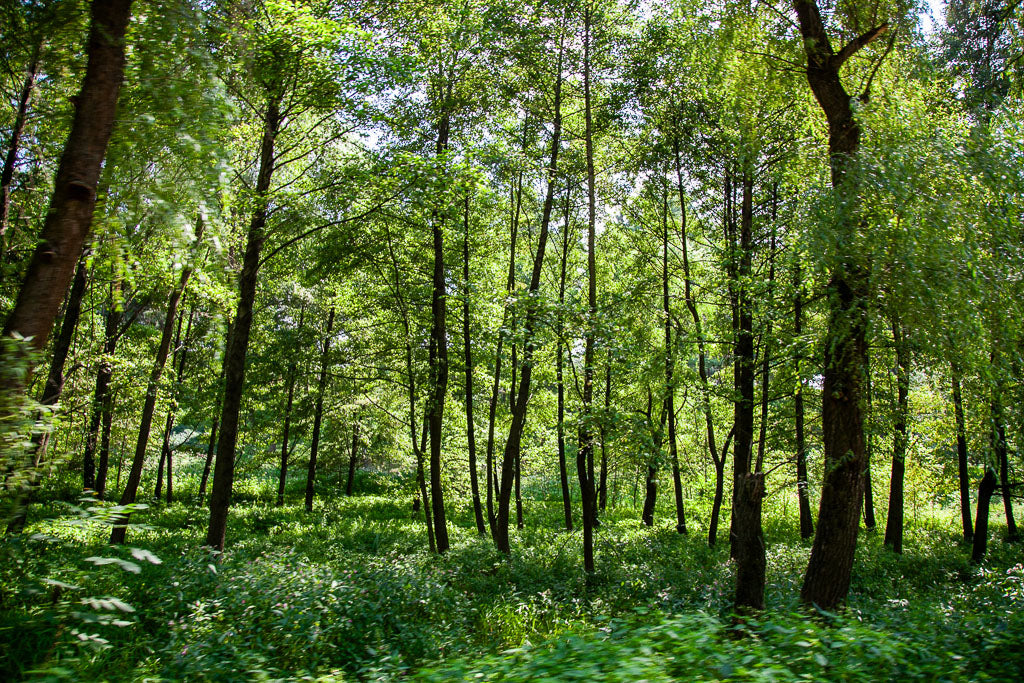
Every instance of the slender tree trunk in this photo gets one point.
(985, 490)
(14, 146)
(961, 455)
(802, 488)
(353, 458)
(103, 397)
(702, 370)
(563, 472)
(1000, 450)
(318, 412)
(602, 493)
(670, 387)
(282, 478)
(238, 339)
(131, 486)
(69, 217)
(212, 444)
(166, 452)
(894, 518)
(512, 444)
(474, 482)
(827, 579)
(869, 491)
(585, 454)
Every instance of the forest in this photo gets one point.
(537, 340)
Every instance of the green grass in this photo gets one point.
(350, 593)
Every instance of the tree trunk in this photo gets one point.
(961, 455)
(103, 399)
(718, 458)
(69, 217)
(670, 388)
(802, 489)
(51, 395)
(985, 490)
(318, 412)
(747, 538)
(353, 458)
(827, 579)
(999, 447)
(585, 454)
(512, 443)
(474, 482)
(131, 486)
(603, 487)
(869, 491)
(282, 477)
(212, 444)
(166, 452)
(238, 339)
(14, 147)
(563, 472)
(894, 518)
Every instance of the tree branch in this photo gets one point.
(852, 47)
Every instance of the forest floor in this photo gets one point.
(350, 592)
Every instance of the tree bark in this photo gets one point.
(238, 340)
(69, 217)
(670, 388)
(166, 452)
(961, 455)
(1000, 450)
(318, 412)
(827, 579)
(212, 444)
(103, 397)
(282, 478)
(894, 518)
(869, 491)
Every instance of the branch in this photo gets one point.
(852, 47)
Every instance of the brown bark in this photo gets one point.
(894, 518)
(318, 412)
(238, 340)
(282, 477)
(69, 217)
(827, 579)
(985, 490)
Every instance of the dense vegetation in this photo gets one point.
(477, 340)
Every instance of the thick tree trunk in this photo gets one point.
(747, 539)
(474, 483)
(827, 579)
(69, 217)
(131, 485)
(894, 518)
(961, 455)
(282, 477)
(238, 339)
(515, 434)
(318, 412)
(14, 146)
(985, 490)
